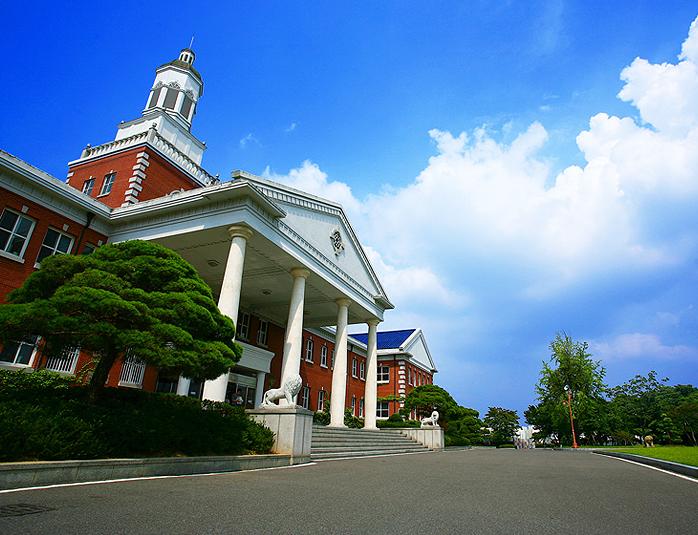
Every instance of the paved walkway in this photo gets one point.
(475, 491)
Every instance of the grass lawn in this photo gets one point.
(678, 454)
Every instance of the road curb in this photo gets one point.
(678, 468)
(36, 474)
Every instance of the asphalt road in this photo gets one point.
(471, 491)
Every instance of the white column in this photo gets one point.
(229, 299)
(259, 389)
(371, 387)
(339, 375)
(291, 363)
(183, 384)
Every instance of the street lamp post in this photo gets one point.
(569, 405)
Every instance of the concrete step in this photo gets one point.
(387, 438)
(367, 447)
(375, 445)
(348, 454)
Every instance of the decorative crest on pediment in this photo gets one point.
(337, 244)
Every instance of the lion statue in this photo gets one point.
(649, 441)
(289, 389)
(431, 421)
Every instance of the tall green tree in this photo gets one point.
(503, 422)
(572, 370)
(133, 296)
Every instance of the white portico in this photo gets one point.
(289, 256)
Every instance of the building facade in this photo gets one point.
(285, 265)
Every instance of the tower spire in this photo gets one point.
(191, 43)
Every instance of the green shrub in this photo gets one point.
(321, 418)
(43, 417)
(507, 445)
(387, 424)
(456, 440)
(395, 417)
(352, 421)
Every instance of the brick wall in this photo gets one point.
(153, 173)
(13, 273)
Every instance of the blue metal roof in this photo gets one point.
(387, 339)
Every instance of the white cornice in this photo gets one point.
(42, 188)
(283, 193)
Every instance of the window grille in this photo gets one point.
(132, 370)
(65, 362)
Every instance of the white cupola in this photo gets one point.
(171, 106)
(177, 89)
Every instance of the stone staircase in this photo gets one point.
(338, 443)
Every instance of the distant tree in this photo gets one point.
(134, 295)
(569, 369)
(503, 424)
(462, 425)
(427, 398)
(464, 428)
(637, 401)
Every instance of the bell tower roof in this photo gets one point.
(185, 61)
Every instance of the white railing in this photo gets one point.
(181, 159)
(163, 146)
(91, 152)
(132, 371)
(65, 362)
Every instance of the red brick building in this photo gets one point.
(284, 263)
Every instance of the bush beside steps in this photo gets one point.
(45, 416)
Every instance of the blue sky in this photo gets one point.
(508, 181)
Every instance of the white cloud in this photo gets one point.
(413, 284)
(290, 128)
(486, 211)
(640, 346)
(249, 139)
(309, 177)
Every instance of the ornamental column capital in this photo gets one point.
(343, 302)
(241, 231)
(300, 272)
(373, 322)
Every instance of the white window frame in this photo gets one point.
(382, 410)
(263, 333)
(305, 397)
(321, 400)
(362, 370)
(354, 367)
(13, 233)
(65, 362)
(353, 405)
(132, 371)
(309, 346)
(107, 184)
(361, 408)
(383, 374)
(243, 326)
(323, 356)
(20, 345)
(88, 186)
(54, 249)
